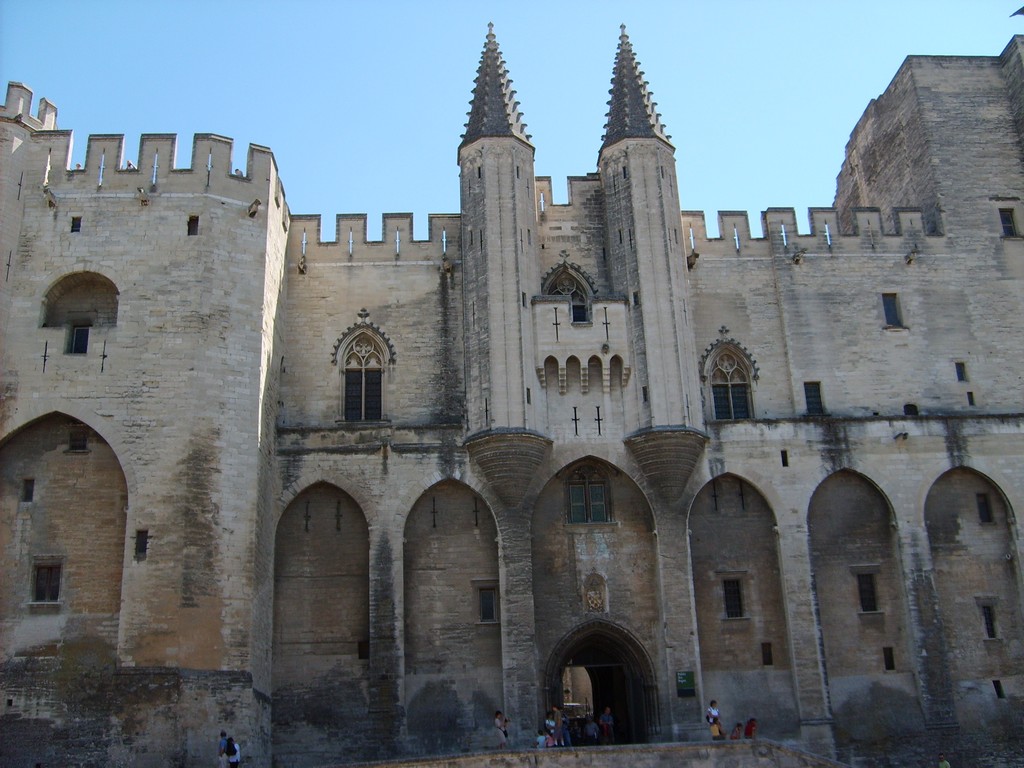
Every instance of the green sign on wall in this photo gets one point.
(685, 687)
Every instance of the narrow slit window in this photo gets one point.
(28, 489)
(488, 597)
(785, 457)
(141, 544)
(961, 371)
(970, 398)
(984, 508)
(988, 616)
(193, 226)
(767, 659)
(888, 658)
(76, 223)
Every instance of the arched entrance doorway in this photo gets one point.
(601, 665)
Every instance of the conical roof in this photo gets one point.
(632, 114)
(494, 109)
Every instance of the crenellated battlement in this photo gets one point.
(307, 248)
(154, 169)
(782, 235)
(18, 106)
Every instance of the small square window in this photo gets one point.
(812, 396)
(888, 658)
(984, 508)
(891, 307)
(1007, 222)
(28, 489)
(732, 592)
(76, 223)
(193, 225)
(866, 592)
(988, 616)
(78, 440)
(961, 371)
(78, 340)
(47, 583)
(767, 659)
(488, 601)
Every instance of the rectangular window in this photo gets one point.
(812, 396)
(374, 408)
(363, 649)
(961, 371)
(488, 605)
(47, 587)
(193, 225)
(598, 509)
(577, 503)
(970, 398)
(767, 660)
(732, 591)
(76, 223)
(78, 340)
(866, 592)
(28, 489)
(888, 658)
(141, 544)
(891, 306)
(984, 508)
(988, 615)
(528, 396)
(1007, 222)
(78, 440)
(785, 458)
(730, 401)
(997, 686)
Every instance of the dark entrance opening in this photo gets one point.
(601, 666)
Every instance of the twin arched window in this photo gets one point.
(364, 378)
(730, 386)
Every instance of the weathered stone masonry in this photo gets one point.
(346, 498)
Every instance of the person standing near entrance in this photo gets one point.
(607, 723)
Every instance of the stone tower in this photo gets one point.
(645, 248)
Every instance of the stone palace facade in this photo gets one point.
(346, 498)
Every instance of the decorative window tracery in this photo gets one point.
(364, 378)
(567, 280)
(730, 388)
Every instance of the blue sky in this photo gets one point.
(364, 103)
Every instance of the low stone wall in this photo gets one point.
(742, 754)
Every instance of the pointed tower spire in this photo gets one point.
(632, 114)
(494, 109)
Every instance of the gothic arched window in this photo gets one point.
(565, 281)
(730, 387)
(364, 379)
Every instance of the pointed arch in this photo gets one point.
(568, 279)
(364, 353)
(729, 372)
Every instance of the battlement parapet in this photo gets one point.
(107, 170)
(579, 187)
(18, 106)
(307, 248)
(780, 230)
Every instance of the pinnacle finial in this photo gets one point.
(490, 31)
(494, 110)
(632, 112)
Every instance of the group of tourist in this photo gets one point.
(739, 731)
